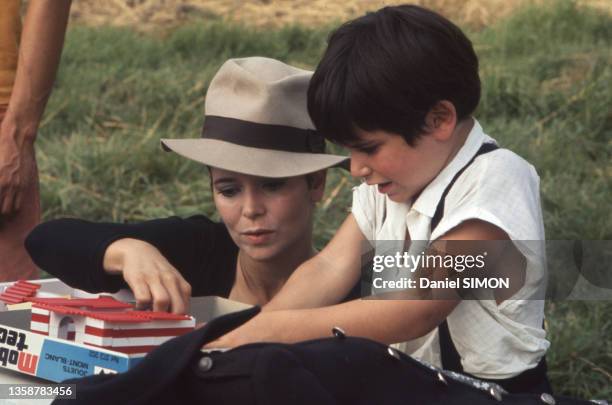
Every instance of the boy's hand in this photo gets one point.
(261, 328)
(385, 321)
(152, 279)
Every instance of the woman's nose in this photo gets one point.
(358, 166)
(253, 205)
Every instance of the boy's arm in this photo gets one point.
(329, 276)
(388, 321)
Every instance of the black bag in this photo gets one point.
(335, 370)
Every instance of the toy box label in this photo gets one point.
(42, 357)
(19, 350)
(47, 358)
(59, 361)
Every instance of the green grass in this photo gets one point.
(546, 76)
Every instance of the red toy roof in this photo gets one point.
(20, 291)
(104, 302)
(123, 316)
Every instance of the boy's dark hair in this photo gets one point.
(387, 69)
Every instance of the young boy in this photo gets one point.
(398, 87)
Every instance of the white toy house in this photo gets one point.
(106, 323)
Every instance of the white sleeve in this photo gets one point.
(500, 188)
(364, 210)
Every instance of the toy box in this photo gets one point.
(31, 343)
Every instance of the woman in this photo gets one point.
(266, 164)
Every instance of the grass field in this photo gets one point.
(546, 75)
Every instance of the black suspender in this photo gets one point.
(485, 148)
(529, 380)
(450, 357)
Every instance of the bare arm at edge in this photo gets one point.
(39, 54)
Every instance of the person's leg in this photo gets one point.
(15, 263)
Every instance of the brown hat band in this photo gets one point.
(263, 136)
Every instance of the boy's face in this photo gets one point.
(399, 170)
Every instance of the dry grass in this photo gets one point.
(154, 14)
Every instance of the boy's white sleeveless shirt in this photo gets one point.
(499, 187)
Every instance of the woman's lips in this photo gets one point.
(258, 237)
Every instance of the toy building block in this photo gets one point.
(107, 323)
(19, 292)
(40, 321)
(103, 302)
(134, 331)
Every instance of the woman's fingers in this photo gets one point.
(179, 302)
(185, 287)
(141, 291)
(156, 284)
(167, 292)
(161, 296)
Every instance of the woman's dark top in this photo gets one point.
(73, 251)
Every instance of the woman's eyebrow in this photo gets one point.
(224, 180)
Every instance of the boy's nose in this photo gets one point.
(358, 167)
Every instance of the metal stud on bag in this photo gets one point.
(393, 352)
(495, 393)
(338, 332)
(205, 364)
(441, 378)
(547, 399)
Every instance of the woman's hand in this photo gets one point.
(153, 280)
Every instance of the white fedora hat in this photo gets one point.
(256, 122)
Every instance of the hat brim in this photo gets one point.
(252, 161)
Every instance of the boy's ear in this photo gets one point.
(441, 120)
(316, 185)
